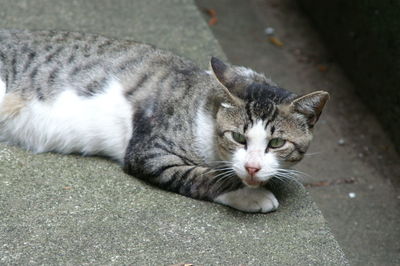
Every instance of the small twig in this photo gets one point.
(350, 180)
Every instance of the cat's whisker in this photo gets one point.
(287, 178)
(313, 153)
(293, 172)
(224, 177)
(227, 171)
(282, 177)
(224, 168)
(288, 173)
(298, 172)
(221, 163)
(219, 170)
(224, 173)
(222, 180)
(210, 172)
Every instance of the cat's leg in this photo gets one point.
(207, 184)
(249, 200)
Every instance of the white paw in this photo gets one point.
(249, 200)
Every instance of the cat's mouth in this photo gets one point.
(253, 182)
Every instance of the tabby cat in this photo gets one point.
(216, 135)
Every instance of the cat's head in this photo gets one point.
(261, 128)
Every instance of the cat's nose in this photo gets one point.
(252, 170)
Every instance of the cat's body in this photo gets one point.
(202, 134)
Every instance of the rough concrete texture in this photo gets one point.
(72, 210)
(350, 152)
(170, 24)
(67, 209)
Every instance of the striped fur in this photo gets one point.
(167, 121)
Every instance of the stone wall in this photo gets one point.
(364, 37)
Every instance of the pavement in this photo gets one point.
(352, 168)
(76, 210)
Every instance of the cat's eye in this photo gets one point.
(276, 143)
(239, 138)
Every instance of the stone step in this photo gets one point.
(59, 209)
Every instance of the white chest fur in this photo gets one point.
(100, 124)
(204, 135)
(2, 90)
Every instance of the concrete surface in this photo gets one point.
(349, 143)
(71, 210)
(168, 24)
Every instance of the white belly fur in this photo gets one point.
(97, 125)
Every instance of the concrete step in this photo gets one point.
(72, 210)
(349, 143)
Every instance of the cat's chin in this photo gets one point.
(252, 182)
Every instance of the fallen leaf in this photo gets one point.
(213, 16)
(213, 21)
(322, 68)
(211, 12)
(67, 188)
(275, 41)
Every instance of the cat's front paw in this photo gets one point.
(249, 200)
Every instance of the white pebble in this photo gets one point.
(352, 195)
(341, 142)
(269, 30)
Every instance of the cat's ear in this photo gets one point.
(225, 75)
(221, 71)
(232, 78)
(310, 105)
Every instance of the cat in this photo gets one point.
(218, 135)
